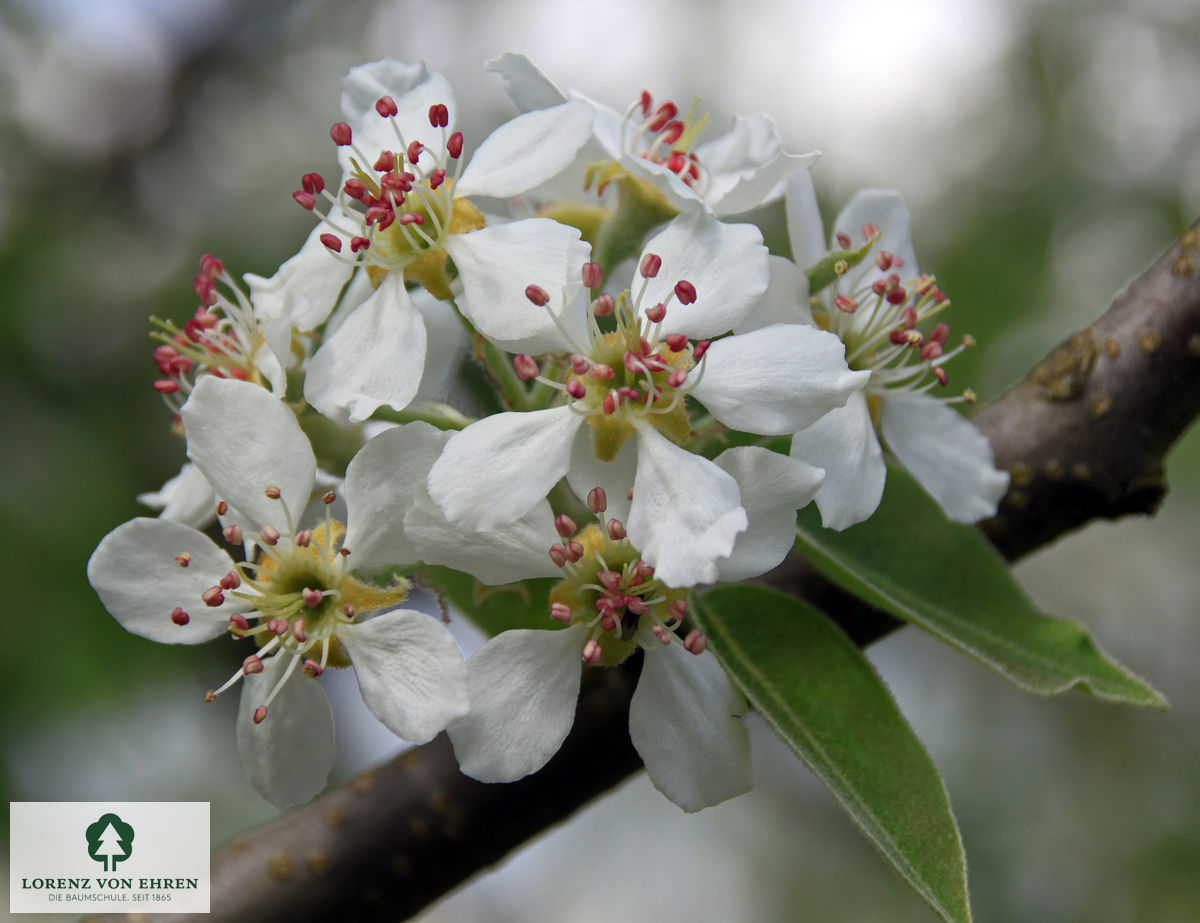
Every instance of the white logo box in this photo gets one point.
(162, 868)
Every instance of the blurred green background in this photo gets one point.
(1048, 152)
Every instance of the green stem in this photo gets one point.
(443, 416)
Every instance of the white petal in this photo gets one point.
(267, 358)
(446, 345)
(374, 359)
(686, 512)
(784, 302)
(761, 186)
(772, 487)
(527, 86)
(615, 477)
(947, 455)
(495, 470)
(677, 192)
(410, 671)
(497, 263)
(607, 128)
(517, 551)
(885, 209)
(523, 686)
(187, 498)
(776, 380)
(133, 571)
(843, 442)
(414, 90)
(358, 291)
(805, 231)
(383, 481)
(727, 263)
(526, 151)
(752, 142)
(684, 721)
(305, 288)
(288, 755)
(244, 440)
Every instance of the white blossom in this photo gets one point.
(400, 213)
(624, 419)
(740, 170)
(875, 308)
(293, 594)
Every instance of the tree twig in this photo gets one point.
(1083, 436)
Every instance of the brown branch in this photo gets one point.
(1083, 435)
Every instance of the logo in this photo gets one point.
(110, 840)
(114, 857)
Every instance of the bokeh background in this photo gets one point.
(1048, 151)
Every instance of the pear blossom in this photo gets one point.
(659, 143)
(623, 420)
(293, 594)
(228, 336)
(400, 214)
(876, 308)
(684, 717)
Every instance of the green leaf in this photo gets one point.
(496, 609)
(945, 577)
(819, 693)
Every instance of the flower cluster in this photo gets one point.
(641, 439)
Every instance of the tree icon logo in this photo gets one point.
(110, 840)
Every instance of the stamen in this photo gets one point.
(526, 367)
(695, 642)
(565, 525)
(650, 265)
(213, 596)
(593, 276)
(311, 668)
(597, 501)
(560, 613)
(537, 295)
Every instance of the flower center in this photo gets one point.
(397, 204)
(220, 339)
(628, 372)
(609, 590)
(294, 594)
(879, 322)
(657, 134)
